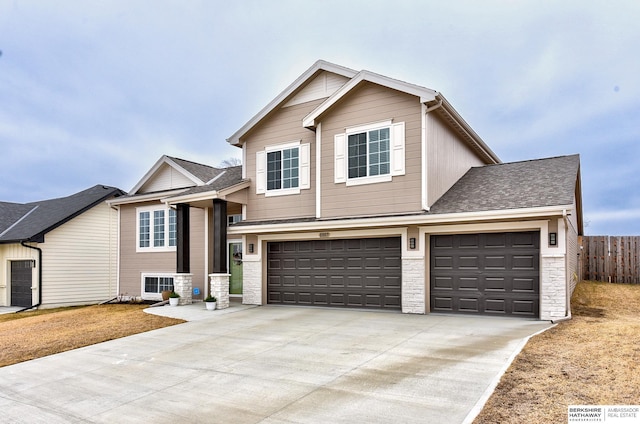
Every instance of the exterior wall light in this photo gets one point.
(553, 239)
(250, 247)
(412, 243)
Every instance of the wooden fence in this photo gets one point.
(610, 258)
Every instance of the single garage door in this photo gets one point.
(491, 274)
(21, 273)
(353, 273)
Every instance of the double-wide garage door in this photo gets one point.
(354, 273)
(491, 274)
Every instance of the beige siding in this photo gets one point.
(367, 104)
(14, 252)
(321, 87)
(133, 264)
(284, 125)
(79, 259)
(166, 178)
(448, 158)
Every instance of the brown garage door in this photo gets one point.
(354, 273)
(491, 274)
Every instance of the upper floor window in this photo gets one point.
(283, 169)
(369, 153)
(156, 229)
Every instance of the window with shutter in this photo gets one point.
(369, 153)
(283, 169)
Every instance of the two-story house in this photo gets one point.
(362, 191)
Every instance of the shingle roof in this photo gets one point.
(31, 221)
(204, 173)
(227, 178)
(515, 185)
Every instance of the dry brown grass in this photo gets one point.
(594, 359)
(30, 335)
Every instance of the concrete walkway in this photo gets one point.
(274, 365)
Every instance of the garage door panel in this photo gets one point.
(468, 283)
(468, 241)
(495, 241)
(528, 262)
(495, 262)
(443, 262)
(441, 304)
(468, 304)
(469, 262)
(495, 306)
(347, 273)
(526, 240)
(529, 285)
(485, 273)
(442, 283)
(494, 284)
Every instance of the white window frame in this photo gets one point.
(396, 153)
(152, 248)
(303, 169)
(152, 295)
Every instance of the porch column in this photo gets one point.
(219, 236)
(219, 279)
(183, 264)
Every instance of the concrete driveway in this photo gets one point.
(275, 364)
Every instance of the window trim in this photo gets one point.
(167, 224)
(303, 169)
(152, 295)
(396, 153)
(282, 148)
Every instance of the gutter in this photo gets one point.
(23, 243)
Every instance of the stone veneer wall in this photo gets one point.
(413, 286)
(251, 282)
(183, 285)
(553, 300)
(219, 287)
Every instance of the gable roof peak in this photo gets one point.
(198, 173)
(319, 65)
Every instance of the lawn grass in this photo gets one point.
(29, 335)
(593, 359)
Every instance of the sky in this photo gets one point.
(95, 92)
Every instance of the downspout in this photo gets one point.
(39, 276)
(566, 258)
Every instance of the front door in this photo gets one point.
(21, 273)
(235, 268)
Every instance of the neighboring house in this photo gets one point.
(362, 191)
(59, 252)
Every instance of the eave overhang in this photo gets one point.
(398, 221)
(425, 94)
(204, 198)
